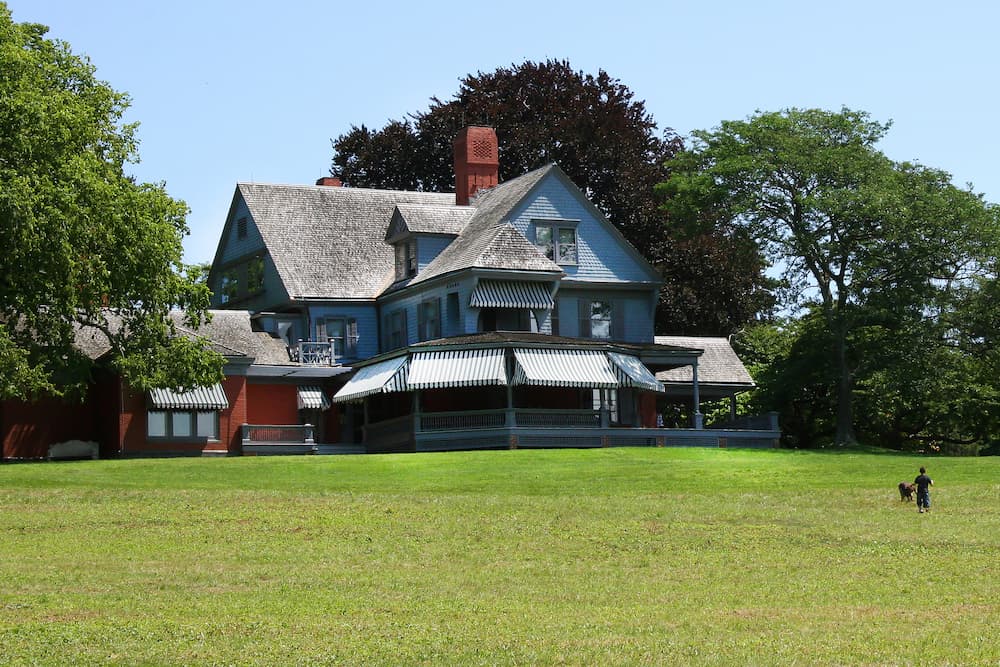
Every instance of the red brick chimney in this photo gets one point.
(477, 162)
(331, 181)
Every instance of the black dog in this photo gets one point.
(906, 491)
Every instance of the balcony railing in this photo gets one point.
(327, 352)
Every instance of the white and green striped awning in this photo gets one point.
(563, 368)
(633, 373)
(457, 368)
(511, 294)
(383, 377)
(199, 398)
(313, 398)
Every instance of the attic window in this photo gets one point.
(406, 259)
(556, 239)
(241, 228)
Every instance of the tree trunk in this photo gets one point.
(845, 412)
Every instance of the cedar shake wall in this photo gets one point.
(231, 421)
(647, 409)
(27, 429)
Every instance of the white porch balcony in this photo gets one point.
(329, 352)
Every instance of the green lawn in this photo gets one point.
(602, 557)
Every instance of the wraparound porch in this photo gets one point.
(527, 428)
(399, 434)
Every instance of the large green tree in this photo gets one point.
(606, 142)
(85, 247)
(865, 240)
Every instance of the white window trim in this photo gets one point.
(556, 226)
(192, 416)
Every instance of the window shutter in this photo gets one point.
(583, 309)
(405, 335)
(351, 337)
(618, 319)
(437, 319)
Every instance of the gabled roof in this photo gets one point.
(427, 219)
(488, 240)
(719, 364)
(316, 235)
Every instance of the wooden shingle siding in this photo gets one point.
(364, 314)
(631, 317)
(601, 255)
(428, 248)
(234, 247)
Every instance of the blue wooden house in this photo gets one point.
(506, 314)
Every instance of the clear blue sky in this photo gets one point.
(237, 91)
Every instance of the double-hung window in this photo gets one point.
(406, 259)
(342, 332)
(429, 319)
(396, 329)
(557, 240)
(255, 274)
(596, 319)
(183, 424)
(229, 286)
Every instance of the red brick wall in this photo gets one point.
(272, 404)
(133, 424)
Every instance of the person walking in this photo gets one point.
(924, 484)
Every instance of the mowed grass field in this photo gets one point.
(597, 557)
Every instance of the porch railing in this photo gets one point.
(578, 418)
(323, 352)
(272, 433)
(451, 421)
(448, 421)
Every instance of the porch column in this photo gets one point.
(510, 418)
(416, 411)
(605, 416)
(364, 421)
(732, 407)
(698, 417)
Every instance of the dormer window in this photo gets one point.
(557, 240)
(406, 259)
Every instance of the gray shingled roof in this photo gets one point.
(427, 219)
(229, 333)
(719, 364)
(316, 235)
(489, 241)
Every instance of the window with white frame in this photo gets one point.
(342, 331)
(183, 424)
(557, 240)
(595, 320)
